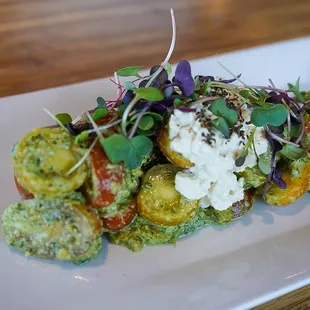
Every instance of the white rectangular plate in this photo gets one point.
(257, 258)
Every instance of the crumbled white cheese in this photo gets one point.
(212, 178)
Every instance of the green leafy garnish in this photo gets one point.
(221, 125)
(129, 71)
(219, 108)
(101, 109)
(146, 122)
(293, 152)
(295, 89)
(168, 67)
(245, 93)
(155, 116)
(241, 157)
(150, 94)
(64, 118)
(132, 152)
(274, 115)
(129, 85)
(81, 137)
(264, 165)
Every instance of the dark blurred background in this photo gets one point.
(46, 43)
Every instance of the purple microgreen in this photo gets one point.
(184, 79)
(169, 90)
(293, 152)
(129, 71)
(271, 83)
(274, 115)
(149, 94)
(295, 89)
(278, 179)
(206, 78)
(274, 98)
(129, 85)
(64, 118)
(132, 152)
(231, 80)
(83, 158)
(221, 125)
(219, 108)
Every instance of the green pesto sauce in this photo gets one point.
(253, 177)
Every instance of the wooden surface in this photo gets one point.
(46, 43)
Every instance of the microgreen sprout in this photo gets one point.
(54, 118)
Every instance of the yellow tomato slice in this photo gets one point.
(42, 159)
(160, 202)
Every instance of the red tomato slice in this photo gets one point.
(22, 191)
(121, 220)
(105, 177)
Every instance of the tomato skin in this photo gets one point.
(105, 176)
(22, 191)
(121, 220)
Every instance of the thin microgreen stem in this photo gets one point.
(84, 157)
(118, 83)
(271, 83)
(302, 128)
(98, 132)
(134, 128)
(102, 128)
(126, 113)
(163, 64)
(275, 137)
(55, 118)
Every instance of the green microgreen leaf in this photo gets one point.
(221, 125)
(219, 108)
(129, 71)
(81, 137)
(101, 109)
(64, 118)
(131, 152)
(146, 122)
(275, 115)
(155, 116)
(295, 89)
(168, 67)
(149, 94)
(264, 165)
(293, 152)
(177, 103)
(193, 96)
(239, 161)
(129, 85)
(245, 93)
(295, 131)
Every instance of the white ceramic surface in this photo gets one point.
(257, 258)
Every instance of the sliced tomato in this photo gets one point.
(106, 179)
(121, 220)
(22, 191)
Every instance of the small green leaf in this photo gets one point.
(81, 137)
(150, 94)
(295, 131)
(129, 71)
(193, 96)
(122, 107)
(168, 67)
(296, 90)
(241, 157)
(275, 115)
(177, 102)
(101, 102)
(99, 113)
(129, 85)
(131, 152)
(146, 122)
(221, 125)
(219, 108)
(293, 152)
(155, 116)
(264, 165)
(64, 118)
(245, 93)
